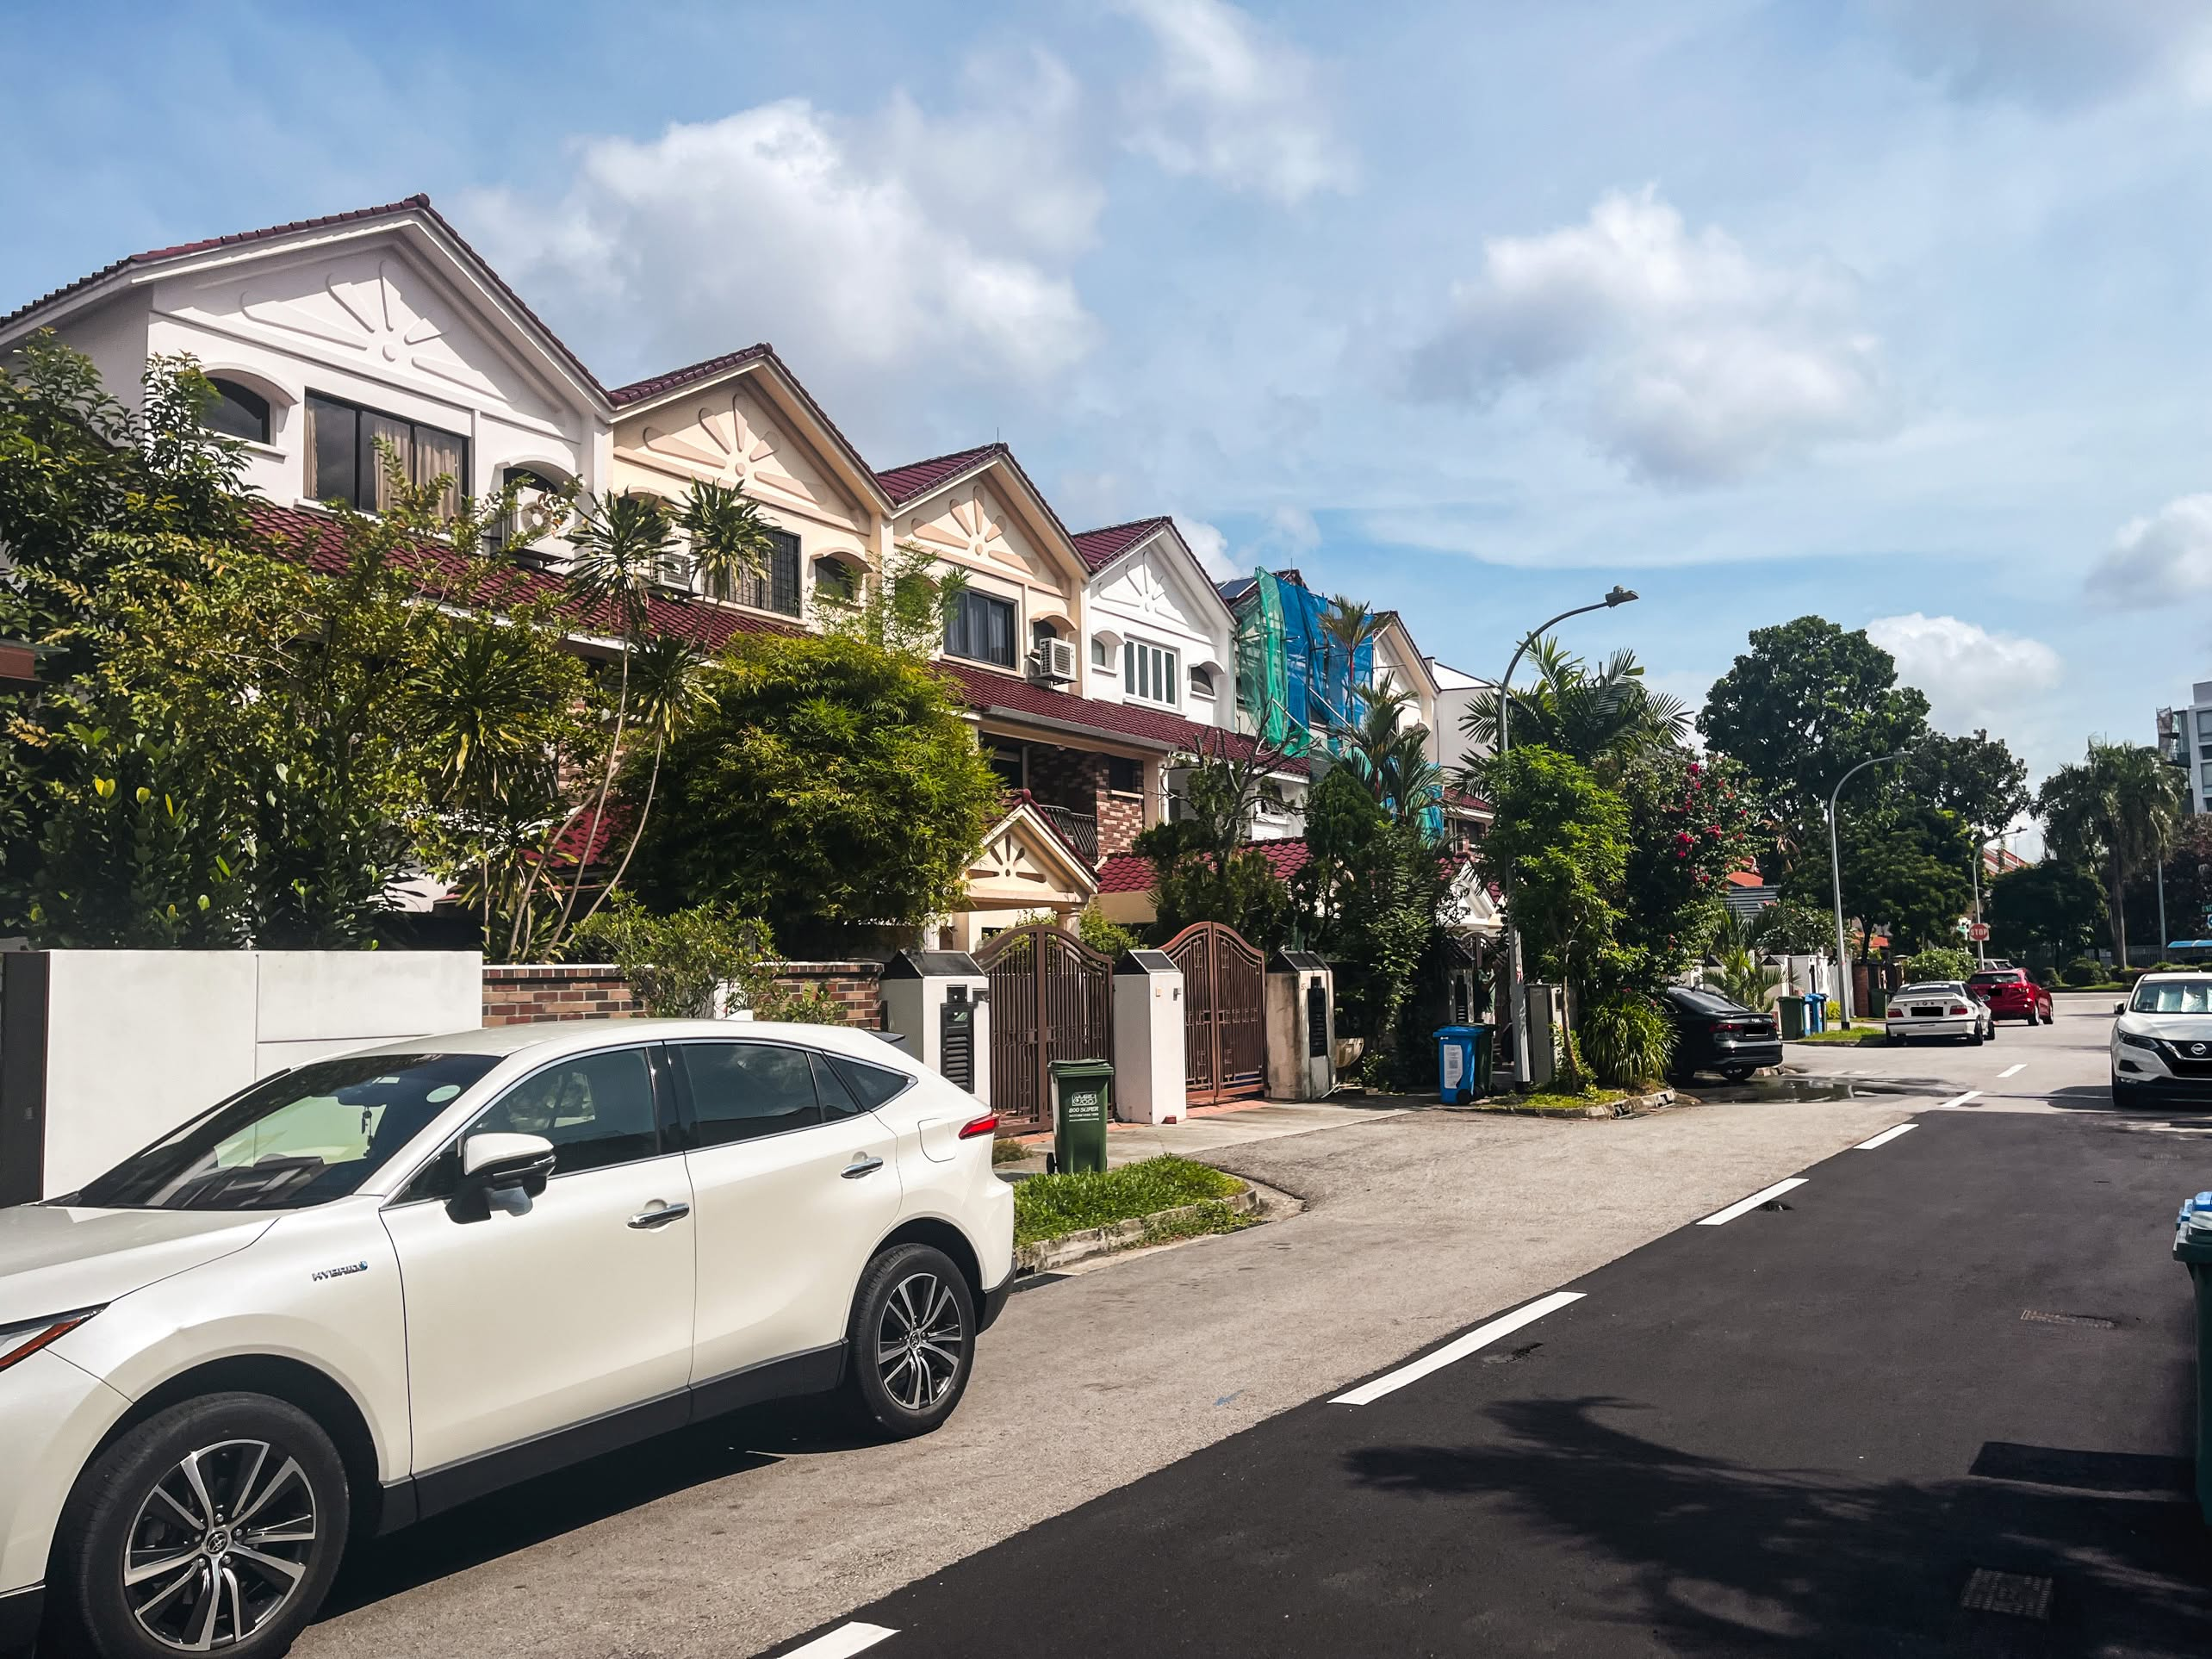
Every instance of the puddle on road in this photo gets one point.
(1808, 1090)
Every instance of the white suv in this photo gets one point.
(373, 1287)
(2162, 1043)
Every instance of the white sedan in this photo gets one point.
(1938, 1007)
(2162, 1043)
(376, 1286)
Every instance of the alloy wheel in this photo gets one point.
(219, 1545)
(920, 1341)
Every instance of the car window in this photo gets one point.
(744, 1090)
(1931, 988)
(1705, 1002)
(302, 1137)
(2173, 996)
(2013, 978)
(596, 1110)
(871, 1085)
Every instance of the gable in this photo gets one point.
(974, 525)
(1160, 583)
(732, 433)
(1024, 865)
(371, 307)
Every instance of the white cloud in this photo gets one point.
(1971, 677)
(2154, 562)
(1294, 526)
(1683, 357)
(1227, 101)
(858, 247)
(2054, 53)
(1211, 547)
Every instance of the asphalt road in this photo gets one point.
(1740, 1436)
(1933, 1399)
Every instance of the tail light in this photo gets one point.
(1958, 1007)
(1896, 1013)
(987, 1124)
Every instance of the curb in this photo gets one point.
(1627, 1106)
(1048, 1253)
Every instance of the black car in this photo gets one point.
(1714, 1033)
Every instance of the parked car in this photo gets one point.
(1714, 1033)
(1938, 1007)
(2011, 994)
(2162, 1042)
(367, 1288)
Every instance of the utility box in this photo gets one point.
(1547, 1020)
(1150, 1062)
(1301, 1027)
(940, 1002)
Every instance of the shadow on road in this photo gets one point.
(577, 1497)
(1726, 1558)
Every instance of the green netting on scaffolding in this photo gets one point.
(1259, 662)
(1299, 685)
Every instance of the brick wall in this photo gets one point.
(1076, 779)
(522, 994)
(1121, 820)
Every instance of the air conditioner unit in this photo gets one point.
(675, 571)
(1054, 661)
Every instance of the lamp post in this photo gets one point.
(1836, 872)
(1980, 955)
(1618, 596)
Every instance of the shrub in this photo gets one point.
(1626, 1040)
(676, 963)
(2083, 972)
(1110, 938)
(1937, 962)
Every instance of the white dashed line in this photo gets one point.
(842, 1642)
(1743, 1206)
(1959, 1100)
(2021, 1065)
(1367, 1393)
(1884, 1137)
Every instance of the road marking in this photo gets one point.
(1884, 1137)
(1959, 1100)
(2019, 1066)
(841, 1643)
(1504, 1325)
(1741, 1205)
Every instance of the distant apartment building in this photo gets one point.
(2185, 740)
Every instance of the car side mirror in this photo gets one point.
(508, 1169)
(2119, 1009)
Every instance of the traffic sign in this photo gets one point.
(1978, 932)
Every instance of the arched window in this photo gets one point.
(1201, 681)
(238, 413)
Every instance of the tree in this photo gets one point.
(2052, 909)
(1605, 719)
(1691, 824)
(1559, 844)
(1790, 927)
(2117, 810)
(1906, 868)
(830, 785)
(1978, 778)
(1202, 870)
(1806, 703)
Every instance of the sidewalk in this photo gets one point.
(1217, 1127)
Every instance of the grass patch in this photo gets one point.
(1005, 1150)
(1857, 1033)
(1053, 1206)
(1211, 1216)
(1552, 1100)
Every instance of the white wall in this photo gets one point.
(1157, 594)
(139, 1041)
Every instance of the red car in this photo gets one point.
(2011, 995)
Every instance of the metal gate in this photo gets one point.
(1224, 1028)
(1052, 998)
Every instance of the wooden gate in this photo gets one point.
(1224, 1028)
(1052, 998)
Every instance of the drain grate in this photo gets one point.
(1511, 1355)
(1775, 1204)
(2017, 1594)
(2084, 1321)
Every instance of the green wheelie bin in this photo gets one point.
(2192, 1247)
(1082, 1105)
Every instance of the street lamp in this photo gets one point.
(1836, 871)
(1618, 596)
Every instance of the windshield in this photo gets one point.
(2173, 996)
(1931, 988)
(2009, 977)
(302, 1137)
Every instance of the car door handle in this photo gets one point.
(861, 1166)
(652, 1218)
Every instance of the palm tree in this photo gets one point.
(2120, 808)
(1610, 716)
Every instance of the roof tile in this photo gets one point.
(903, 483)
(1100, 547)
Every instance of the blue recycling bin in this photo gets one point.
(1815, 1011)
(2192, 1248)
(1463, 1063)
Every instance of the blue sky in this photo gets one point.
(1891, 310)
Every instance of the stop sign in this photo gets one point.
(1978, 932)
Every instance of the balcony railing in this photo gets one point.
(1080, 828)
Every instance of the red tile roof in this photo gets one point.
(418, 204)
(1100, 547)
(638, 390)
(903, 483)
(1130, 873)
(1015, 799)
(315, 535)
(1004, 693)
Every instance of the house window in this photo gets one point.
(1006, 761)
(1148, 672)
(1101, 654)
(981, 627)
(537, 511)
(774, 587)
(238, 413)
(345, 465)
(1123, 776)
(835, 579)
(1201, 682)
